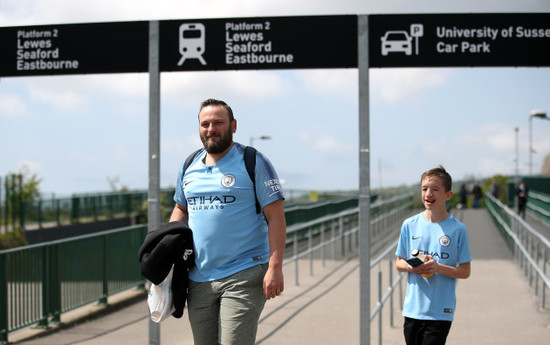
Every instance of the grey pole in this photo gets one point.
(517, 155)
(364, 180)
(153, 209)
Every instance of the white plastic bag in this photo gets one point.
(160, 299)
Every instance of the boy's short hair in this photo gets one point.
(442, 174)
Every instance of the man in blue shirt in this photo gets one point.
(430, 300)
(238, 252)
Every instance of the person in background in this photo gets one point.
(478, 194)
(521, 192)
(463, 196)
(494, 189)
(238, 251)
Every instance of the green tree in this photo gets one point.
(21, 189)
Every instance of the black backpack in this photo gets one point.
(249, 162)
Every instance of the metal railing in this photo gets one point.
(539, 206)
(343, 228)
(389, 253)
(530, 248)
(40, 282)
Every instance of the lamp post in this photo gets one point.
(542, 115)
(517, 155)
(261, 137)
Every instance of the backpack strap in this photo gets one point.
(249, 162)
(189, 159)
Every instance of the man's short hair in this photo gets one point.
(442, 174)
(212, 101)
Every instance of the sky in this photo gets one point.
(78, 132)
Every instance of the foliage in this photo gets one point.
(113, 184)
(30, 188)
(20, 189)
(546, 165)
(12, 239)
(502, 184)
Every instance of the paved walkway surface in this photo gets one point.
(495, 306)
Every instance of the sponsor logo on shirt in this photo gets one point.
(212, 202)
(437, 256)
(274, 185)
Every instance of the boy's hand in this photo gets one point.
(429, 267)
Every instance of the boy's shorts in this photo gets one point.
(426, 332)
(226, 311)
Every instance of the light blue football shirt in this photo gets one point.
(229, 236)
(433, 298)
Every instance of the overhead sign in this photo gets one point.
(415, 40)
(455, 40)
(74, 49)
(258, 43)
(185, 45)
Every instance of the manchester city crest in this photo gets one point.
(228, 180)
(445, 240)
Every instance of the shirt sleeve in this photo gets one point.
(268, 186)
(179, 197)
(402, 245)
(464, 254)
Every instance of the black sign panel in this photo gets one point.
(440, 40)
(258, 43)
(74, 49)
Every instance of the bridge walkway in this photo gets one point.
(495, 306)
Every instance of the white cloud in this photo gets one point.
(187, 88)
(59, 97)
(497, 136)
(324, 142)
(128, 85)
(71, 94)
(405, 84)
(339, 82)
(12, 106)
(329, 144)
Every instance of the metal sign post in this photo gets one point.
(153, 200)
(364, 181)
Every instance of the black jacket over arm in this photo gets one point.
(170, 244)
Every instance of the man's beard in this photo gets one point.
(219, 145)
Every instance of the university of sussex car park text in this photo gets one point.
(470, 36)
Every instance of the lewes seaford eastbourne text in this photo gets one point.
(35, 51)
(245, 43)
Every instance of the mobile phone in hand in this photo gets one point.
(414, 262)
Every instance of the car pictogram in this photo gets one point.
(396, 41)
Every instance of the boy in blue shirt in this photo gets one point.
(430, 300)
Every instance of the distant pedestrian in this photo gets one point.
(478, 194)
(430, 300)
(494, 189)
(463, 196)
(521, 192)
